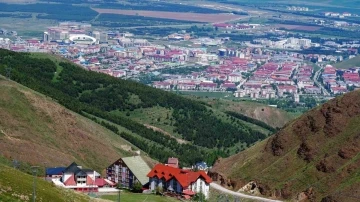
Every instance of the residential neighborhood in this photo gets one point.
(182, 62)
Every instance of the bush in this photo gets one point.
(199, 197)
(137, 188)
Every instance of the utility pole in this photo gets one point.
(34, 169)
(44, 171)
(119, 195)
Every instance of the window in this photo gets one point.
(174, 185)
(201, 186)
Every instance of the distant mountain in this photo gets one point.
(313, 158)
(160, 123)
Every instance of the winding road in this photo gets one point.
(226, 191)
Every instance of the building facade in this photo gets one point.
(128, 171)
(178, 180)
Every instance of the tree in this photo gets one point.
(137, 188)
(199, 197)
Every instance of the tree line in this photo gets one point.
(97, 94)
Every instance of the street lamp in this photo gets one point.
(44, 170)
(34, 170)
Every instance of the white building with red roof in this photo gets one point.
(180, 181)
(286, 89)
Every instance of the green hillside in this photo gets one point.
(314, 158)
(36, 130)
(126, 106)
(346, 64)
(16, 186)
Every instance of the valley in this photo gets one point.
(138, 110)
(154, 101)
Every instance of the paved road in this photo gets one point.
(226, 191)
(316, 80)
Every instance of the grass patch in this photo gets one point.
(346, 64)
(55, 59)
(227, 95)
(131, 197)
(17, 186)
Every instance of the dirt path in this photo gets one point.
(226, 191)
(181, 141)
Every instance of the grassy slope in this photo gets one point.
(130, 197)
(148, 115)
(326, 131)
(353, 62)
(17, 186)
(36, 130)
(270, 115)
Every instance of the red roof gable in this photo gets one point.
(184, 177)
(70, 181)
(89, 180)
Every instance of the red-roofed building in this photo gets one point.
(178, 180)
(338, 90)
(207, 86)
(79, 179)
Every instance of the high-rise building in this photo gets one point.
(96, 35)
(103, 37)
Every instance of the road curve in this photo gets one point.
(226, 191)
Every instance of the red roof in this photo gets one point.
(70, 181)
(188, 192)
(100, 182)
(184, 177)
(207, 84)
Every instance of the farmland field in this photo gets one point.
(299, 27)
(115, 20)
(197, 17)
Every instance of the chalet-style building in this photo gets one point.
(179, 180)
(76, 178)
(79, 179)
(54, 173)
(127, 171)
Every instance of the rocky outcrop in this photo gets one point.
(325, 166)
(319, 147)
(306, 151)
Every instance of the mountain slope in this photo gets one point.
(274, 117)
(315, 157)
(115, 103)
(36, 130)
(16, 186)
(349, 63)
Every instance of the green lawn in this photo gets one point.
(134, 197)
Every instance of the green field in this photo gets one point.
(227, 95)
(134, 197)
(353, 62)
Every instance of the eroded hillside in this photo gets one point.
(314, 158)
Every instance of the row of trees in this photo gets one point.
(251, 120)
